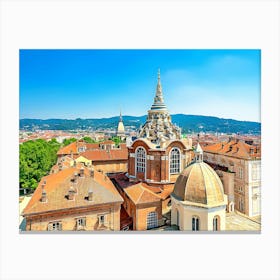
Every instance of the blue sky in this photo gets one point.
(97, 83)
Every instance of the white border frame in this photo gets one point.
(139, 24)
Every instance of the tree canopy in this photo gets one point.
(35, 161)
(87, 139)
(66, 142)
(117, 140)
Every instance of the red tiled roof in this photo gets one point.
(104, 155)
(67, 150)
(234, 148)
(57, 187)
(139, 194)
(92, 146)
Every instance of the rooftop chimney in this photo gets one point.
(90, 194)
(82, 172)
(71, 193)
(74, 179)
(44, 193)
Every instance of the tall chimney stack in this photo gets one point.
(44, 193)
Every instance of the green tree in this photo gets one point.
(117, 140)
(66, 142)
(87, 139)
(35, 161)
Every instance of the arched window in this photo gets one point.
(195, 223)
(216, 223)
(174, 161)
(140, 160)
(152, 220)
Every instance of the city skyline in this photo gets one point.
(74, 84)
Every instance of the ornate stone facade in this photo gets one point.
(159, 153)
(158, 127)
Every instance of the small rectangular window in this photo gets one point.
(81, 223)
(102, 219)
(53, 226)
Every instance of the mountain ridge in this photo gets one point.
(188, 123)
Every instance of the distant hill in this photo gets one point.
(188, 123)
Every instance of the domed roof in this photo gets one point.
(199, 183)
(120, 127)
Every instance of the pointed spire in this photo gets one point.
(121, 115)
(158, 99)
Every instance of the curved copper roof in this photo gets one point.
(199, 183)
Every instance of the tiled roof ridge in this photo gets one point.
(149, 191)
(140, 196)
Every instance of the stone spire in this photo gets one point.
(158, 100)
(121, 116)
(158, 127)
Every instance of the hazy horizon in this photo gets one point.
(117, 116)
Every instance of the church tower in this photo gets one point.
(159, 153)
(158, 127)
(120, 130)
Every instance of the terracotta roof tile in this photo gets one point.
(57, 187)
(67, 150)
(234, 148)
(139, 194)
(102, 155)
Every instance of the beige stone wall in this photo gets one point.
(206, 216)
(244, 201)
(221, 213)
(143, 210)
(227, 179)
(69, 220)
(111, 167)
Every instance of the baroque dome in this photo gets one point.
(120, 127)
(199, 183)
